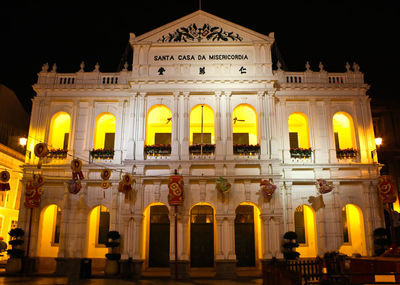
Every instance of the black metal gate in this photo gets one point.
(159, 237)
(244, 236)
(202, 236)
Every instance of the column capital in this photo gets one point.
(185, 94)
(142, 94)
(261, 93)
(176, 94)
(228, 93)
(217, 93)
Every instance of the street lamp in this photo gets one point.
(378, 142)
(22, 142)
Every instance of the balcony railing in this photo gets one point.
(157, 151)
(102, 154)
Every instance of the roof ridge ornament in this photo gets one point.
(193, 33)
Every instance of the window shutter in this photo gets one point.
(66, 140)
(337, 140)
(299, 226)
(109, 141)
(294, 140)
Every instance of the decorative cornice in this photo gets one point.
(193, 33)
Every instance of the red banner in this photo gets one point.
(34, 191)
(386, 190)
(175, 186)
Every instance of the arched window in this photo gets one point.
(343, 130)
(104, 131)
(353, 231)
(244, 125)
(59, 131)
(158, 130)
(298, 131)
(202, 130)
(99, 226)
(49, 231)
(305, 228)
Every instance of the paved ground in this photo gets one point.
(166, 281)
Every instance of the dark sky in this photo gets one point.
(67, 32)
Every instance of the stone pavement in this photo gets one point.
(149, 281)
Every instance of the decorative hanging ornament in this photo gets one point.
(41, 150)
(4, 178)
(386, 190)
(105, 175)
(223, 185)
(323, 186)
(34, 191)
(268, 189)
(74, 186)
(76, 166)
(316, 202)
(175, 187)
(125, 185)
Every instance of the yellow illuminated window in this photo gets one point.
(244, 125)
(344, 131)
(298, 131)
(306, 230)
(159, 125)
(59, 131)
(104, 131)
(353, 231)
(202, 121)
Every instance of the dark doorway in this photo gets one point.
(159, 237)
(202, 236)
(244, 236)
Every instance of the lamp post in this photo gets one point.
(378, 142)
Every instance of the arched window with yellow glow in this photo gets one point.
(104, 131)
(244, 125)
(353, 231)
(49, 231)
(298, 131)
(159, 126)
(60, 131)
(202, 125)
(98, 228)
(306, 230)
(343, 130)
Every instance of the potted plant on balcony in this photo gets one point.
(113, 242)
(16, 253)
(299, 152)
(58, 153)
(289, 246)
(102, 153)
(246, 149)
(157, 149)
(202, 148)
(346, 153)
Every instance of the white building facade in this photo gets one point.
(203, 80)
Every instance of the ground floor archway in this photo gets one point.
(202, 236)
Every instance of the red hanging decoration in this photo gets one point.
(268, 189)
(76, 166)
(34, 191)
(105, 175)
(41, 150)
(4, 178)
(74, 186)
(386, 190)
(175, 186)
(323, 186)
(125, 185)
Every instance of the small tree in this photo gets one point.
(16, 253)
(289, 246)
(112, 266)
(381, 241)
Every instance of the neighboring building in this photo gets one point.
(14, 122)
(386, 119)
(202, 79)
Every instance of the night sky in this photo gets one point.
(68, 32)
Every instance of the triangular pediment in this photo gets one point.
(201, 27)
